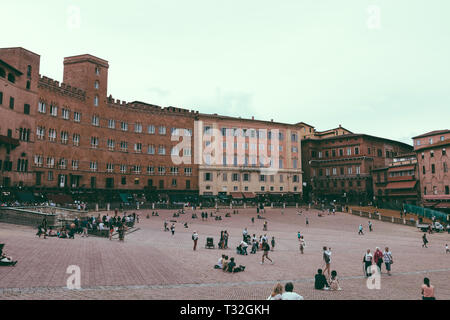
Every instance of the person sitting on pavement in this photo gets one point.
(320, 282)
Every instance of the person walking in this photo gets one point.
(195, 239)
(370, 226)
(367, 260)
(327, 260)
(302, 245)
(266, 249)
(360, 232)
(225, 239)
(172, 229)
(273, 242)
(425, 241)
(265, 226)
(427, 290)
(307, 221)
(378, 258)
(388, 260)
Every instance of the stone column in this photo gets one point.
(271, 205)
(296, 205)
(108, 206)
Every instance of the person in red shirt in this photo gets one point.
(378, 258)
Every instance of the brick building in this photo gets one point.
(78, 137)
(339, 166)
(433, 163)
(248, 149)
(397, 183)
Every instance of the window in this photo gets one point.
(38, 160)
(93, 166)
(50, 176)
(445, 167)
(123, 169)
(2, 73)
(295, 163)
(77, 116)
(281, 178)
(174, 182)
(294, 149)
(52, 135)
(97, 71)
(138, 147)
(432, 168)
(349, 151)
(26, 108)
(320, 154)
(124, 146)
(53, 110)
(174, 171)
(161, 170)
(123, 126)
(111, 144)
(430, 140)
(96, 101)
(380, 152)
(162, 150)
(96, 84)
(151, 149)
(50, 162)
(11, 78)
(137, 169)
(65, 114)
(187, 152)
(111, 124)
(62, 163)
(11, 103)
(94, 142)
(447, 190)
(64, 137)
(334, 171)
(423, 169)
(295, 178)
(432, 154)
(207, 176)
(95, 120)
(28, 86)
(151, 129)
(356, 150)
(75, 164)
(262, 178)
(294, 137)
(188, 171)
(358, 170)
(138, 128)
(162, 130)
(150, 170)
(235, 177)
(123, 181)
(40, 133)
(349, 170)
(327, 171)
(76, 139)
(1, 97)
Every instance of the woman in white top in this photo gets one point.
(277, 292)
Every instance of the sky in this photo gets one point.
(379, 67)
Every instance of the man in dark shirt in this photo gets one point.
(231, 265)
(320, 281)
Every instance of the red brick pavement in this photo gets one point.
(153, 264)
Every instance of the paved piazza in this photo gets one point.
(153, 264)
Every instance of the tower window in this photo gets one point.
(96, 85)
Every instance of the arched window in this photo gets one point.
(11, 78)
(2, 73)
(96, 101)
(96, 84)
(29, 71)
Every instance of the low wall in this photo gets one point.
(406, 222)
(26, 217)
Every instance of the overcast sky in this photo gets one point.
(380, 67)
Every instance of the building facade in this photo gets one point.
(251, 158)
(433, 167)
(78, 137)
(339, 167)
(398, 183)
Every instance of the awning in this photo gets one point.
(25, 196)
(401, 168)
(443, 205)
(249, 195)
(436, 197)
(126, 197)
(401, 185)
(237, 195)
(60, 198)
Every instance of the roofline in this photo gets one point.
(88, 57)
(432, 146)
(360, 135)
(436, 132)
(23, 49)
(222, 117)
